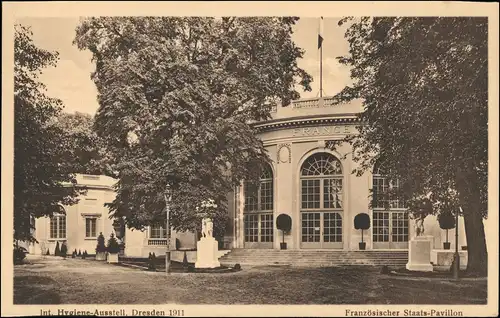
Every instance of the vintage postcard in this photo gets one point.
(250, 159)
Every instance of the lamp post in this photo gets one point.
(456, 259)
(167, 252)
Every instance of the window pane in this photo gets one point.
(266, 195)
(53, 227)
(251, 197)
(311, 193)
(62, 226)
(332, 193)
(90, 227)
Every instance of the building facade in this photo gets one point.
(314, 185)
(306, 179)
(82, 223)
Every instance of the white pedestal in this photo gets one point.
(112, 257)
(207, 253)
(419, 254)
(445, 257)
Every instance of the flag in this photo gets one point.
(320, 33)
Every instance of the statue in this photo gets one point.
(207, 227)
(419, 226)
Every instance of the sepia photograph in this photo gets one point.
(340, 159)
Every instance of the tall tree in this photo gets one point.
(42, 179)
(84, 149)
(424, 85)
(176, 98)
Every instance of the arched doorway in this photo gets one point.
(258, 212)
(321, 202)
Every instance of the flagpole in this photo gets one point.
(321, 72)
(320, 45)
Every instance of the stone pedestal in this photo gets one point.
(419, 254)
(207, 253)
(445, 257)
(112, 257)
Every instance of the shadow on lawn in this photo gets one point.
(35, 290)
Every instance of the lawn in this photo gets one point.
(76, 281)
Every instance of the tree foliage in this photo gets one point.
(362, 221)
(42, 178)
(284, 222)
(84, 149)
(424, 85)
(177, 96)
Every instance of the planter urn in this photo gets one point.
(362, 246)
(283, 245)
(100, 256)
(112, 257)
(446, 245)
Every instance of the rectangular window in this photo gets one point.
(251, 197)
(158, 232)
(380, 188)
(311, 192)
(58, 227)
(251, 227)
(91, 227)
(380, 226)
(332, 193)
(266, 195)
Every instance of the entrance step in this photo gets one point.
(314, 258)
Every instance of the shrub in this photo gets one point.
(79, 253)
(152, 262)
(48, 252)
(101, 245)
(83, 255)
(284, 223)
(177, 244)
(19, 254)
(362, 222)
(237, 266)
(64, 250)
(113, 246)
(73, 255)
(190, 269)
(185, 263)
(57, 251)
(446, 222)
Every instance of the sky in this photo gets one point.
(70, 81)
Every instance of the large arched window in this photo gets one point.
(258, 211)
(390, 217)
(321, 184)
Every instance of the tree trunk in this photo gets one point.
(470, 200)
(477, 255)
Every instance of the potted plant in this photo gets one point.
(284, 223)
(446, 222)
(100, 250)
(113, 249)
(362, 222)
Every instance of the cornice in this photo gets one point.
(304, 121)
